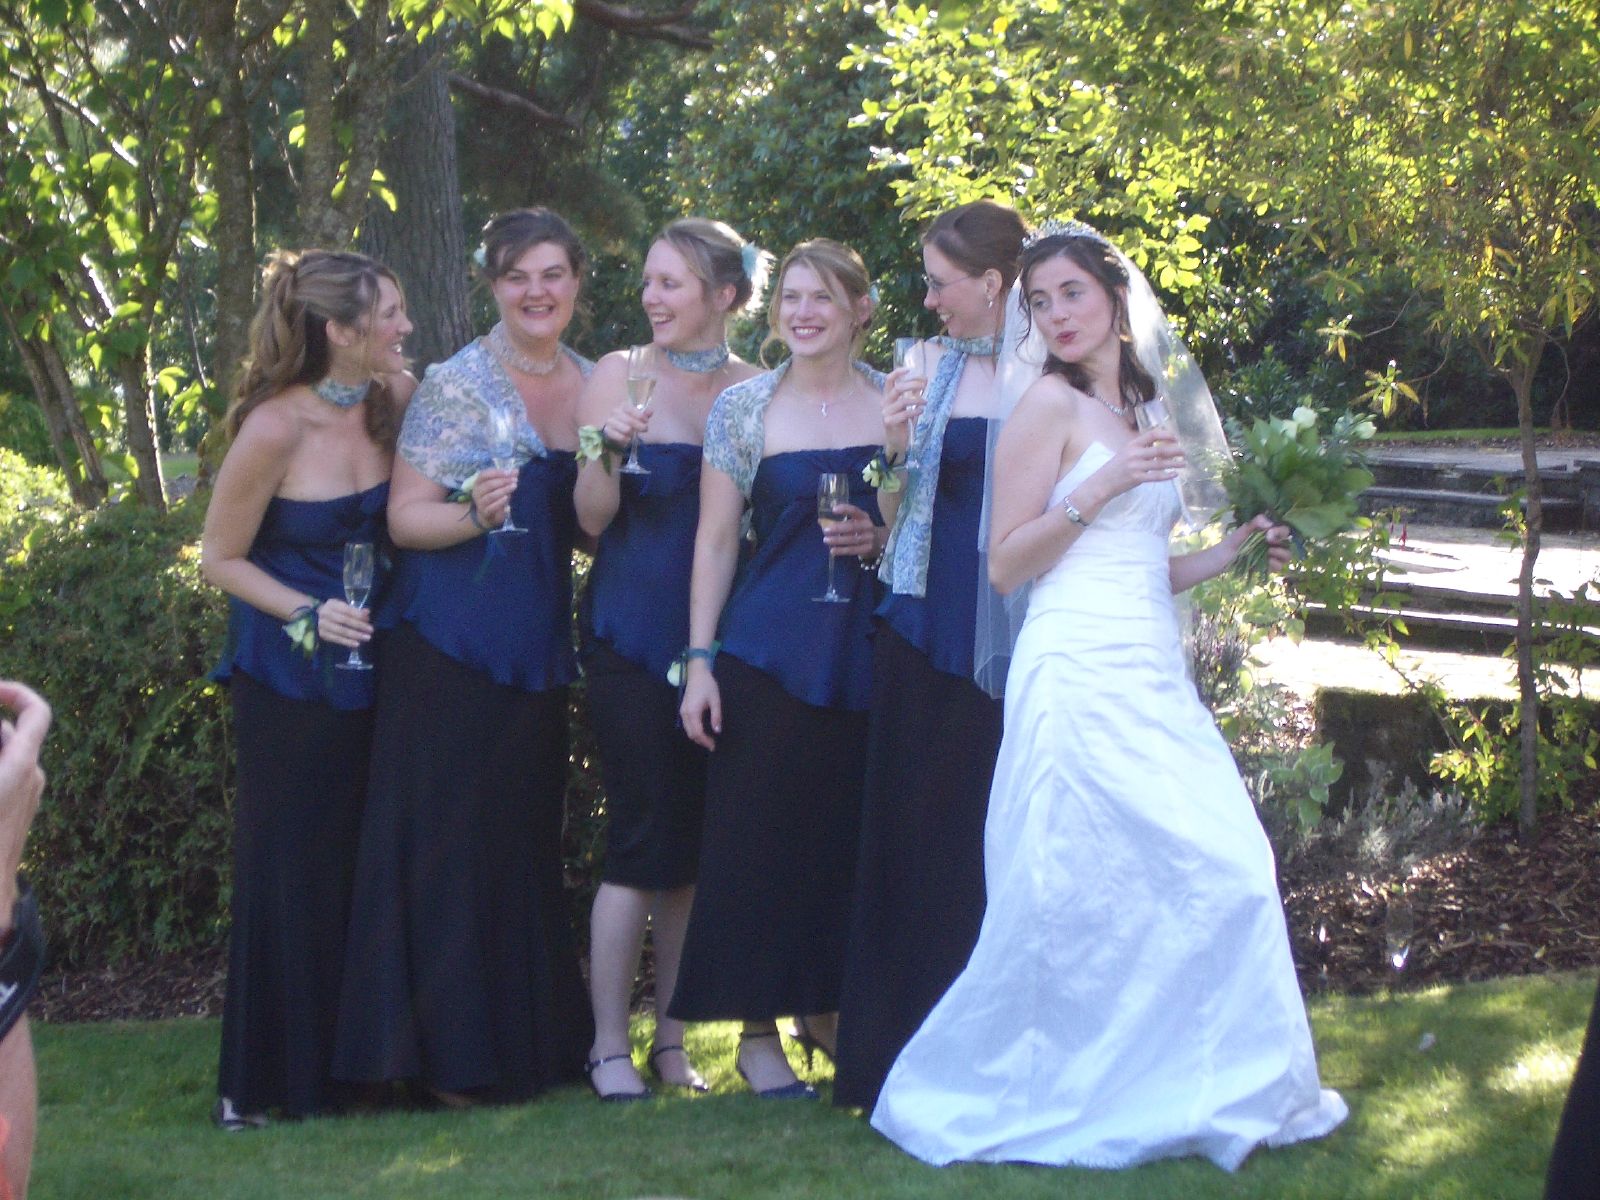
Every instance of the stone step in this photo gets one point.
(1473, 633)
(1463, 509)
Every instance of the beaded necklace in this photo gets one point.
(500, 343)
(699, 362)
(342, 395)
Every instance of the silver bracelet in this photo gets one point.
(1073, 515)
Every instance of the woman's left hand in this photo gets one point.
(1279, 540)
(854, 537)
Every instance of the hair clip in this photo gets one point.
(480, 256)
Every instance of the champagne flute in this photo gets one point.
(358, 562)
(503, 454)
(1152, 414)
(909, 353)
(1399, 925)
(833, 489)
(641, 385)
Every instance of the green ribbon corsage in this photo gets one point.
(301, 628)
(879, 473)
(593, 447)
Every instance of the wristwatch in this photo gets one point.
(1073, 515)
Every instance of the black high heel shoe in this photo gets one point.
(594, 1064)
(802, 1036)
(694, 1082)
(798, 1090)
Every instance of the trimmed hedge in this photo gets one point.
(106, 614)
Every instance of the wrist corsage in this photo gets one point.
(594, 447)
(463, 494)
(301, 628)
(679, 670)
(881, 473)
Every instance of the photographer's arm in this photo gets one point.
(21, 786)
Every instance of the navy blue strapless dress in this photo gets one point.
(783, 796)
(302, 736)
(931, 749)
(461, 971)
(635, 623)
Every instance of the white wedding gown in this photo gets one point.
(1131, 995)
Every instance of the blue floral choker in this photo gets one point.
(699, 362)
(983, 347)
(342, 395)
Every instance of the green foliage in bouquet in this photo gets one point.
(1310, 482)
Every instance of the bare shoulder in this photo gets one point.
(1049, 402)
(274, 426)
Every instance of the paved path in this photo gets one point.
(1466, 559)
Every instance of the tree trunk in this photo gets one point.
(319, 218)
(1521, 379)
(138, 408)
(69, 436)
(235, 230)
(422, 240)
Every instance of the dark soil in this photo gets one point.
(1492, 907)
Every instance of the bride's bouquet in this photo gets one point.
(1309, 482)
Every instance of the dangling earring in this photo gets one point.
(991, 299)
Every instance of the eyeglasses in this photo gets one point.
(935, 286)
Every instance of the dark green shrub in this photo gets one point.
(108, 617)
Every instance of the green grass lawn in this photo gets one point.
(125, 1118)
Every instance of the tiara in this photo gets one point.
(1055, 227)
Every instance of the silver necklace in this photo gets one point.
(500, 343)
(342, 395)
(1116, 410)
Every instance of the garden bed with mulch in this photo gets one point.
(1487, 908)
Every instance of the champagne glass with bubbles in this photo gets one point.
(503, 453)
(909, 353)
(833, 489)
(358, 565)
(641, 386)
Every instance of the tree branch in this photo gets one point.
(511, 100)
(660, 27)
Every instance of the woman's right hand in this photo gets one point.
(1152, 456)
(903, 393)
(625, 423)
(491, 496)
(700, 710)
(339, 623)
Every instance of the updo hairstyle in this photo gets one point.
(301, 291)
(842, 272)
(720, 258)
(978, 237)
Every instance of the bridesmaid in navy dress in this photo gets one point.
(461, 976)
(934, 731)
(781, 704)
(636, 622)
(313, 429)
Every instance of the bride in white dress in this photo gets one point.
(1131, 995)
